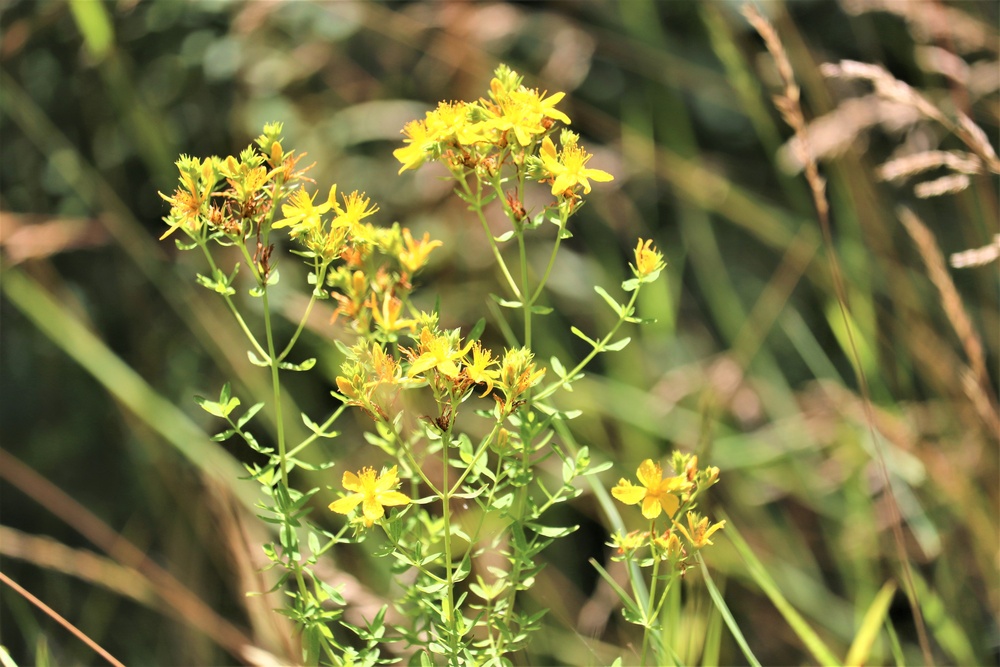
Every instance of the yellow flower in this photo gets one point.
(301, 214)
(418, 145)
(633, 541)
(518, 373)
(416, 252)
(450, 123)
(569, 168)
(437, 352)
(655, 494)
(668, 544)
(648, 261)
(699, 530)
(479, 370)
(387, 318)
(536, 105)
(373, 493)
(356, 208)
(197, 179)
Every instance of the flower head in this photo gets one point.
(439, 351)
(418, 145)
(356, 208)
(479, 370)
(698, 530)
(373, 493)
(630, 542)
(301, 214)
(648, 261)
(568, 168)
(415, 254)
(656, 494)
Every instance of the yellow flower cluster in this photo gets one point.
(658, 495)
(233, 199)
(514, 123)
(459, 367)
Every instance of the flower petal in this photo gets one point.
(346, 504)
(351, 482)
(628, 493)
(373, 510)
(649, 473)
(651, 507)
(387, 481)
(669, 502)
(393, 498)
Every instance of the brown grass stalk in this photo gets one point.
(954, 309)
(181, 601)
(791, 111)
(52, 613)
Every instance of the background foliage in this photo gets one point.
(104, 332)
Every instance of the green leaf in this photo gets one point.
(727, 616)
(630, 285)
(224, 435)
(582, 335)
(541, 310)
(600, 467)
(815, 645)
(615, 306)
(617, 345)
(477, 330)
(557, 367)
(629, 608)
(249, 414)
(211, 407)
(505, 302)
(184, 246)
(256, 361)
(304, 366)
(552, 531)
(503, 238)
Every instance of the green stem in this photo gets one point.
(647, 622)
(552, 261)
(276, 386)
(551, 389)
(450, 613)
(305, 443)
(525, 288)
(320, 277)
(232, 306)
(477, 206)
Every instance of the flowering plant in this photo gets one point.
(460, 575)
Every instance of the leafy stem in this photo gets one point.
(623, 316)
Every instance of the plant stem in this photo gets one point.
(526, 303)
(451, 612)
(320, 276)
(276, 386)
(229, 301)
(551, 389)
(477, 206)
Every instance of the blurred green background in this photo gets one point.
(103, 331)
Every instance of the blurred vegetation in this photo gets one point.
(104, 331)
